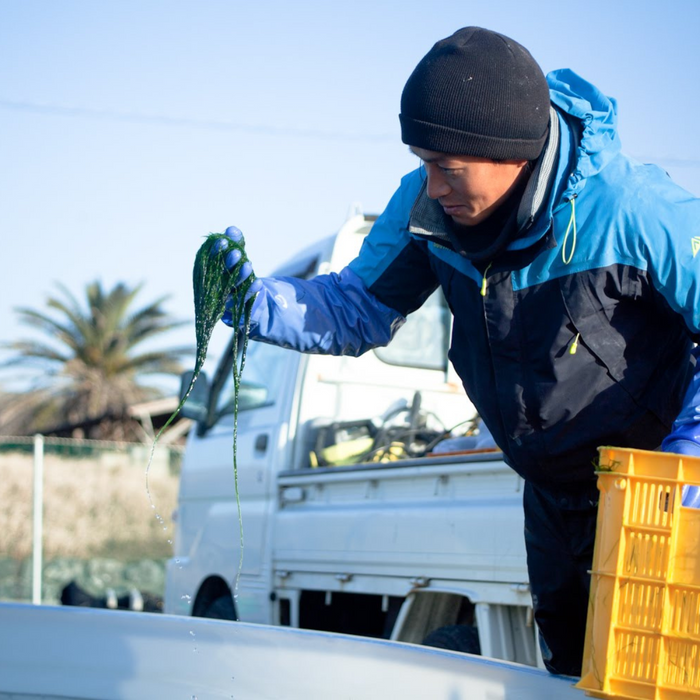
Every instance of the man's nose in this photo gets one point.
(437, 185)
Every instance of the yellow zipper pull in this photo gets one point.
(483, 279)
(574, 346)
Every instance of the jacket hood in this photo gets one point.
(594, 117)
(582, 141)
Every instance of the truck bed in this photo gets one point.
(448, 518)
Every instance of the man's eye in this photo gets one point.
(449, 171)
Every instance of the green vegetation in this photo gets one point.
(212, 282)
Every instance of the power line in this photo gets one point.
(671, 161)
(206, 124)
(218, 125)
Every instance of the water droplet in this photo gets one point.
(192, 634)
(186, 597)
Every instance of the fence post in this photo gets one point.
(38, 519)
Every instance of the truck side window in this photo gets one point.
(261, 381)
(423, 340)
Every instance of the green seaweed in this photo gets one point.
(212, 282)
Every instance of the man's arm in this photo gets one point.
(685, 437)
(676, 274)
(361, 307)
(331, 314)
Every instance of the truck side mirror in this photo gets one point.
(196, 405)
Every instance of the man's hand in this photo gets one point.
(231, 260)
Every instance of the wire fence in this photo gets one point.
(78, 511)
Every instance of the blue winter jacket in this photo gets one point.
(579, 334)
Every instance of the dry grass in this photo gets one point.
(94, 506)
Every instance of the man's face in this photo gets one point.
(468, 188)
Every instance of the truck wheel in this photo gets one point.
(220, 608)
(464, 638)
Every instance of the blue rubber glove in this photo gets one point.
(685, 440)
(685, 436)
(231, 260)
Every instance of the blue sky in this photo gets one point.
(129, 129)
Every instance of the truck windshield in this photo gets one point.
(261, 380)
(423, 340)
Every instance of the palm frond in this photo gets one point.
(90, 369)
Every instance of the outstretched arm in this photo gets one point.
(361, 307)
(331, 314)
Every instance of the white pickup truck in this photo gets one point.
(342, 532)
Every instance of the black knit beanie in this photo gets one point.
(477, 93)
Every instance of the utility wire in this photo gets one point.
(672, 161)
(217, 125)
(207, 124)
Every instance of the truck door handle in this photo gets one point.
(261, 443)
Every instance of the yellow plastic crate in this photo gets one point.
(643, 628)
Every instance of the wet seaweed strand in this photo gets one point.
(212, 282)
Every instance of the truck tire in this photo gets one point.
(463, 638)
(220, 608)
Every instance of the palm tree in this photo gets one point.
(91, 368)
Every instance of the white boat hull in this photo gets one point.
(53, 652)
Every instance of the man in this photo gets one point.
(572, 276)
